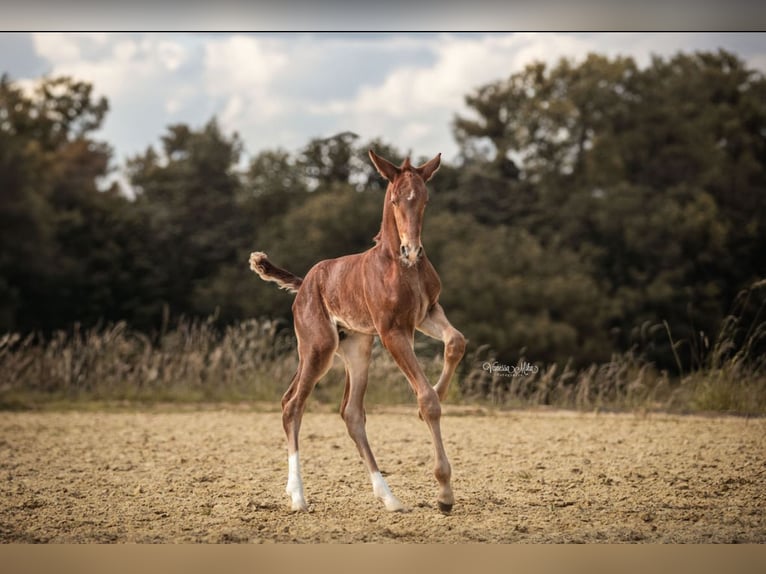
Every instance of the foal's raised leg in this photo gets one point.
(316, 350)
(436, 326)
(399, 344)
(355, 350)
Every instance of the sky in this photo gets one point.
(279, 90)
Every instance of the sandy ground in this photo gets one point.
(217, 475)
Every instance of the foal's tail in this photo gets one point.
(266, 270)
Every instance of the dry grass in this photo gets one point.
(626, 382)
(255, 361)
(728, 376)
(731, 376)
(193, 362)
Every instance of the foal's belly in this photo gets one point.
(353, 322)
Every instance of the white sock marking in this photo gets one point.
(380, 490)
(294, 483)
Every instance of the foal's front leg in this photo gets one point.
(436, 326)
(399, 344)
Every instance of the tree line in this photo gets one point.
(594, 207)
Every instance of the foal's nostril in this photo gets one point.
(405, 251)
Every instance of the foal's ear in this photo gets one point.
(385, 168)
(429, 168)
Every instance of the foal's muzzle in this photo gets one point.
(409, 255)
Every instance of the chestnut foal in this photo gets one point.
(389, 291)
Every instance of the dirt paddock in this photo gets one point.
(218, 474)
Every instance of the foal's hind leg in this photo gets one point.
(355, 350)
(315, 349)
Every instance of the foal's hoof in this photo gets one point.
(299, 507)
(298, 504)
(393, 504)
(444, 507)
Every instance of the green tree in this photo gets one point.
(652, 176)
(57, 228)
(504, 289)
(328, 161)
(190, 194)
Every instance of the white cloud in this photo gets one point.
(172, 105)
(233, 110)
(238, 73)
(414, 105)
(416, 130)
(241, 63)
(57, 47)
(124, 51)
(758, 62)
(116, 65)
(461, 65)
(282, 90)
(171, 55)
(399, 104)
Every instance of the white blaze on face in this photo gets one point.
(409, 201)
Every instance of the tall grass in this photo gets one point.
(626, 382)
(727, 376)
(731, 374)
(255, 360)
(192, 362)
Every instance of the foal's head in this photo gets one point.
(408, 196)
